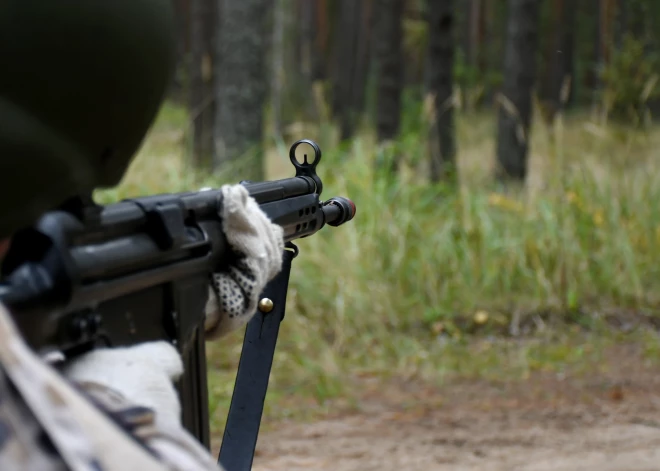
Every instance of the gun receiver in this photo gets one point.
(60, 274)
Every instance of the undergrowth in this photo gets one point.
(420, 268)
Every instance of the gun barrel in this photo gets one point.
(338, 210)
(128, 216)
(266, 192)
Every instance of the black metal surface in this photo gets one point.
(247, 402)
(193, 391)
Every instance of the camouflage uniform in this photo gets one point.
(47, 423)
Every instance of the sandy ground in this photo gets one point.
(595, 422)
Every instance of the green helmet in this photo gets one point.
(81, 83)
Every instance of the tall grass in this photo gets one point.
(396, 290)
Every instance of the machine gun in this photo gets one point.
(87, 275)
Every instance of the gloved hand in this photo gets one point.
(144, 373)
(258, 245)
(125, 381)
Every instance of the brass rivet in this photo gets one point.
(265, 305)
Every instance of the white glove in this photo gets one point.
(121, 379)
(259, 246)
(144, 373)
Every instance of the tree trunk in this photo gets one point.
(389, 65)
(278, 60)
(351, 63)
(241, 86)
(306, 39)
(440, 63)
(203, 26)
(179, 86)
(559, 70)
(345, 45)
(567, 47)
(469, 28)
(477, 33)
(606, 40)
(604, 43)
(491, 46)
(364, 55)
(621, 23)
(464, 26)
(321, 40)
(312, 56)
(515, 108)
(592, 10)
(548, 86)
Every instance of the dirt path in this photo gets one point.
(602, 422)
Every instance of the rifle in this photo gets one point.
(138, 270)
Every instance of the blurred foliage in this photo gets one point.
(415, 42)
(474, 84)
(630, 80)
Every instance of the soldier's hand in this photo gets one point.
(258, 245)
(144, 373)
(136, 386)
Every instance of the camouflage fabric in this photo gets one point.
(48, 424)
(23, 443)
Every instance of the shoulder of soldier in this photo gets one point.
(23, 443)
(48, 423)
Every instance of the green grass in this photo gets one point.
(398, 290)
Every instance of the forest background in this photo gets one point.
(503, 156)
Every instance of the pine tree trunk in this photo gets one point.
(312, 59)
(592, 9)
(203, 26)
(548, 86)
(604, 43)
(321, 40)
(559, 70)
(364, 56)
(440, 63)
(278, 59)
(350, 64)
(491, 46)
(179, 87)
(567, 46)
(388, 48)
(621, 23)
(465, 29)
(241, 86)
(477, 32)
(515, 108)
(306, 39)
